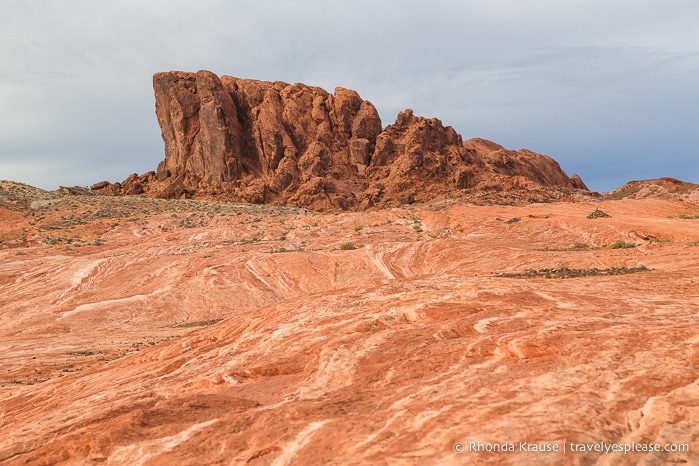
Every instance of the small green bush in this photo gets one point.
(621, 244)
(349, 246)
(513, 220)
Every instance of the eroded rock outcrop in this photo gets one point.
(660, 188)
(272, 142)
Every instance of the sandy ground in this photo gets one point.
(153, 332)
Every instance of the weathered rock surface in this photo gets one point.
(148, 331)
(660, 188)
(272, 142)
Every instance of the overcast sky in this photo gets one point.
(609, 88)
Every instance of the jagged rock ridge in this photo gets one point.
(272, 142)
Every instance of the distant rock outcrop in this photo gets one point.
(660, 188)
(272, 142)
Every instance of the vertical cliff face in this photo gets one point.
(262, 141)
(272, 142)
(200, 127)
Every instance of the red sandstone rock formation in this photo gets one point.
(661, 188)
(271, 142)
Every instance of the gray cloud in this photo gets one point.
(606, 88)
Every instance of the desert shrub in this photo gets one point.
(621, 244)
(417, 223)
(349, 246)
(513, 220)
(598, 214)
(201, 323)
(566, 272)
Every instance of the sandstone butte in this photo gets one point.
(296, 145)
(146, 331)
